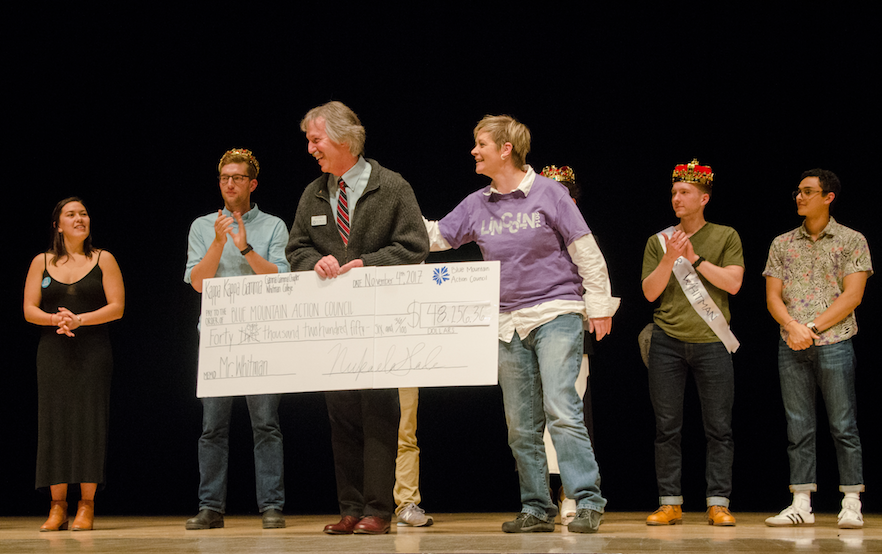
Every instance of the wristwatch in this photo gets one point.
(246, 250)
(698, 262)
(813, 328)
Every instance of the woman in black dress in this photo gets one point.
(72, 291)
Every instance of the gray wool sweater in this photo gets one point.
(386, 228)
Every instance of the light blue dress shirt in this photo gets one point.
(267, 234)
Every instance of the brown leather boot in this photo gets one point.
(667, 514)
(720, 515)
(57, 516)
(85, 516)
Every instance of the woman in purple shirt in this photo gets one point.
(553, 277)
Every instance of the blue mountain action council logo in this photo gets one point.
(440, 274)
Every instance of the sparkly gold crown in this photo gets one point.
(245, 153)
(693, 173)
(562, 173)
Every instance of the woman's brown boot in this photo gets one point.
(57, 517)
(85, 516)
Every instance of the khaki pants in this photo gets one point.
(407, 465)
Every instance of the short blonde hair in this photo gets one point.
(341, 125)
(504, 128)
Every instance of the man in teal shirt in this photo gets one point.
(238, 240)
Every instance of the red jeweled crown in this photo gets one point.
(693, 173)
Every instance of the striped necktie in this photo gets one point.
(343, 213)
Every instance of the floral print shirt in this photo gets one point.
(813, 273)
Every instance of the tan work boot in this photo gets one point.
(720, 515)
(667, 514)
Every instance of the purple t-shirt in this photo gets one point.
(528, 235)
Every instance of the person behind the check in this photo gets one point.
(567, 506)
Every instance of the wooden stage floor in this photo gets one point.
(621, 532)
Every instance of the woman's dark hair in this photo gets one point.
(56, 247)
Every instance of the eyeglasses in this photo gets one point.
(238, 179)
(806, 193)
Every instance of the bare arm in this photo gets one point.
(853, 292)
(799, 337)
(33, 294)
(728, 278)
(655, 282)
(260, 265)
(114, 292)
(64, 319)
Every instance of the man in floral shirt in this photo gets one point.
(815, 278)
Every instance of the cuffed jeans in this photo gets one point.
(538, 381)
(214, 452)
(831, 368)
(670, 360)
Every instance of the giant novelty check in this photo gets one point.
(428, 325)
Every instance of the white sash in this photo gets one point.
(698, 296)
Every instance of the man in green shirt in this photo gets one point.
(692, 268)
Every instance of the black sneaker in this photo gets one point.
(527, 523)
(586, 521)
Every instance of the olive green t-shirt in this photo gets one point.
(718, 244)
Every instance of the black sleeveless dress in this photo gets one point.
(73, 387)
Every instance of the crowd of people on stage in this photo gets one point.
(555, 293)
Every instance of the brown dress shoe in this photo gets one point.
(373, 525)
(720, 515)
(342, 527)
(57, 517)
(668, 514)
(85, 516)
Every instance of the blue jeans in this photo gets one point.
(214, 452)
(538, 381)
(670, 360)
(831, 368)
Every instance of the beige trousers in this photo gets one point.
(407, 465)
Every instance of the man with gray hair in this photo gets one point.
(357, 214)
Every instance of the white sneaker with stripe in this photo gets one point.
(791, 516)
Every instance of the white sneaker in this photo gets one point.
(850, 517)
(791, 516)
(567, 510)
(414, 516)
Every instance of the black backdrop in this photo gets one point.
(131, 110)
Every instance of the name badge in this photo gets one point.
(318, 220)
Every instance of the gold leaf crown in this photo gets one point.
(562, 173)
(245, 153)
(693, 173)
